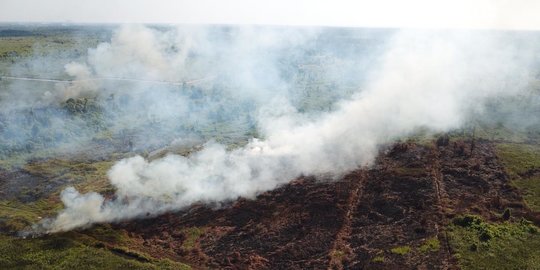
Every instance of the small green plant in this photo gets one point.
(401, 250)
(430, 245)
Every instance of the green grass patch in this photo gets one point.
(61, 252)
(499, 132)
(34, 45)
(519, 159)
(531, 191)
(85, 177)
(104, 233)
(54, 168)
(378, 259)
(481, 245)
(430, 245)
(192, 235)
(17, 46)
(16, 216)
(401, 250)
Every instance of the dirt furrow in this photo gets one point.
(341, 247)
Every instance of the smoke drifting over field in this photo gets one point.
(436, 80)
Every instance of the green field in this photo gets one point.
(482, 245)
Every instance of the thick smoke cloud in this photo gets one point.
(150, 86)
(435, 80)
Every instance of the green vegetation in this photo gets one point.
(17, 46)
(401, 250)
(519, 160)
(60, 252)
(430, 245)
(481, 245)
(91, 176)
(31, 45)
(13, 47)
(104, 233)
(531, 188)
(100, 247)
(498, 132)
(18, 43)
(16, 216)
(192, 235)
(378, 259)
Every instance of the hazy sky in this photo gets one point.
(507, 14)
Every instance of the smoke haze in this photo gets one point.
(434, 80)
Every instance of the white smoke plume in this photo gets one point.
(83, 86)
(425, 79)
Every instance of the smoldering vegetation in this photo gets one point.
(261, 106)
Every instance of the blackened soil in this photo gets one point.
(407, 197)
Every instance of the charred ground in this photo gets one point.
(393, 215)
